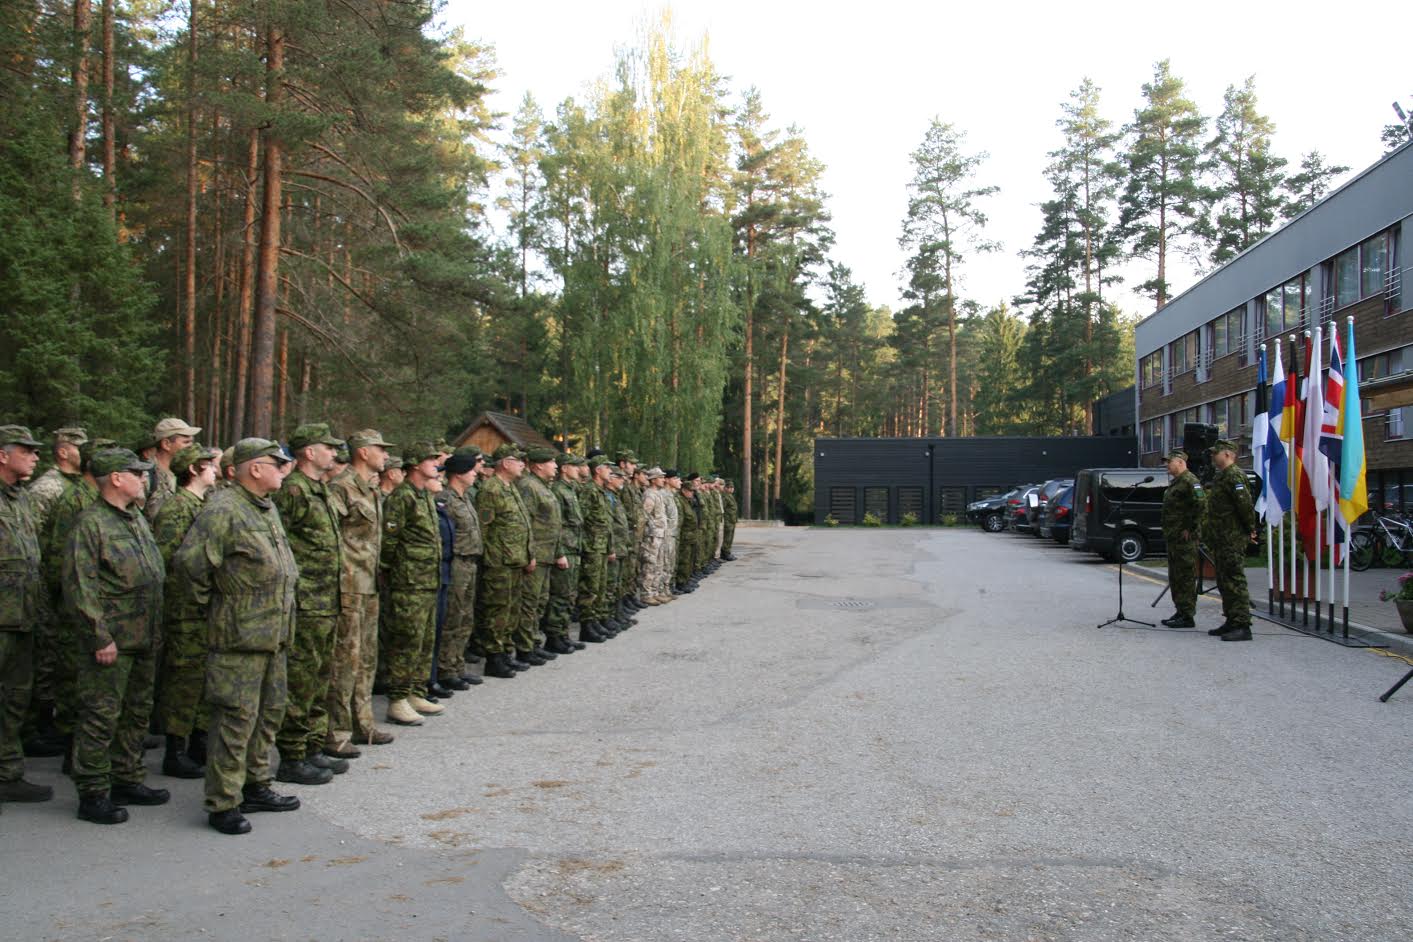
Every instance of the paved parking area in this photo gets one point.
(849, 734)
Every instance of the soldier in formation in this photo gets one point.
(1230, 529)
(245, 599)
(1183, 504)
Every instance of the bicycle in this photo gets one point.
(1388, 541)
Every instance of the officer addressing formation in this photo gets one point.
(1223, 519)
(242, 601)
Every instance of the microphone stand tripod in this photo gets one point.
(1118, 511)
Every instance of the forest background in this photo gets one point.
(251, 213)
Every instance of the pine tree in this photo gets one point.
(1247, 177)
(1309, 186)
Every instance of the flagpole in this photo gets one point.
(1304, 582)
(1334, 508)
(1352, 413)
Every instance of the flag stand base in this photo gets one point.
(1344, 639)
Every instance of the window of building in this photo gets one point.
(1151, 369)
(1373, 262)
(1347, 277)
(1390, 363)
(1363, 271)
(1183, 353)
(1153, 435)
(875, 501)
(1224, 334)
(1396, 428)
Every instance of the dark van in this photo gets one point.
(1098, 528)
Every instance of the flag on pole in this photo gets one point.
(1353, 487)
(1276, 489)
(1332, 423)
(1317, 465)
(1259, 420)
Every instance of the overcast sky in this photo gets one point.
(863, 82)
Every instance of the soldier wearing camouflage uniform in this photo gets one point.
(358, 507)
(45, 489)
(620, 547)
(1230, 529)
(651, 589)
(182, 671)
(688, 534)
(411, 563)
(731, 513)
(1183, 503)
(564, 581)
(170, 436)
(507, 560)
(113, 574)
(632, 500)
(466, 549)
(312, 529)
(241, 568)
(672, 484)
(594, 549)
(21, 590)
(546, 535)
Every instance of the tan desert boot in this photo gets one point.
(402, 713)
(425, 707)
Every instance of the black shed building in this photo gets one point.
(934, 476)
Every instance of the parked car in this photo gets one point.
(1018, 509)
(1099, 528)
(1059, 516)
(990, 512)
(1041, 501)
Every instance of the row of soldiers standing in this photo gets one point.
(252, 596)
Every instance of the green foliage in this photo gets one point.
(908, 519)
(830, 520)
(951, 520)
(1307, 187)
(871, 519)
(1246, 193)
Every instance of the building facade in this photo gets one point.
(1344, 257)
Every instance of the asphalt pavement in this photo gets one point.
(846, 735)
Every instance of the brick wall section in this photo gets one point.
(1373, 333)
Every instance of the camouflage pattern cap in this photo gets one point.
(248, 449)
(92, 447)
(342, 455)
(1176, 453)
(166, 428)
(1225, 444)
(314, 433)
(653, 473)
(626, 454)
(443, 446)
(228, 458)
(185, 459)
(541, 453)
(365, 438)
(418, 452)
(73, 435)
(597, 461)
(17, 435)
(112, 460)
(507, 450)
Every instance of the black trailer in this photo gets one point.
(934, 477)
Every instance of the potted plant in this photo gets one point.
(1403, 598)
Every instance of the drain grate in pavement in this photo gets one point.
(853, 604)
(847, 604)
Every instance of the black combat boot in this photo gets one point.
(1221, 629)
(177, 763)
(299, 772)
(513, 658)
(318, 760)
(139, 794)
(530, 657)
(263, 798)
(498, 666)
(1241, 633)
(230, 821)
(544, 653)
(589, 631)
(1180, 621)
(99, 808)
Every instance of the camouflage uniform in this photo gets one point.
(1230, 520)
(668, 561)
(411, 558)
(620, 547)
(711, 526)
(564, 583)
(730, 512)
(466, 551)
(313, 534)
(654, 545)
(183, 669)
(1182, 513)
(57, 645)
(505, 528)
(45, 490)
(240, 566)
(546, 526)
(113, 573)
(164, 487)
(593, 559)
(358, 507)
(21, 588)
(632, 500)
(688, 537)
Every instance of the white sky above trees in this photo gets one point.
(863, 81)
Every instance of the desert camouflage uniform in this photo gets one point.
(357, 506)
(654, 545)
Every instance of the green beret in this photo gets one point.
(185, 459)
(1225, 444)
(418, 452)
(366, 437)
(314, 433)
(248, 449)
(507, 450)
(1177, 453)
(72, 435)
(541, 453)
(16, 435)
(112, 460)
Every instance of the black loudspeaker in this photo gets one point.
(1197, 438)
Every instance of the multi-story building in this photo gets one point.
(1343, 257)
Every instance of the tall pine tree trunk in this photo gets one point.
(748, 391)
(780, 413)
(246, 294)
(78, 132)
(110, 148)
(189, 274)
(262, 353)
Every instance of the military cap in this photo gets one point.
(597, 461)
(593, 453)
(1225, 444)
(342, 454)
(1177, 453)
(653, 473)
(618, 472)
(418, 452)
(578, 461)
(187, 458)
(314, 433)
(691, 476)
(443, 446)
(540, 453)
(228, 458)
(508, 450)
(17, 435)
(73, 435)
(626, 454)
(671, 473)
(144, 441)
(112, 460)
(92, 447)
(248, 449)
(166, 428)
(463, 460)
(710, 479)
(366, 437)
(394, 463)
